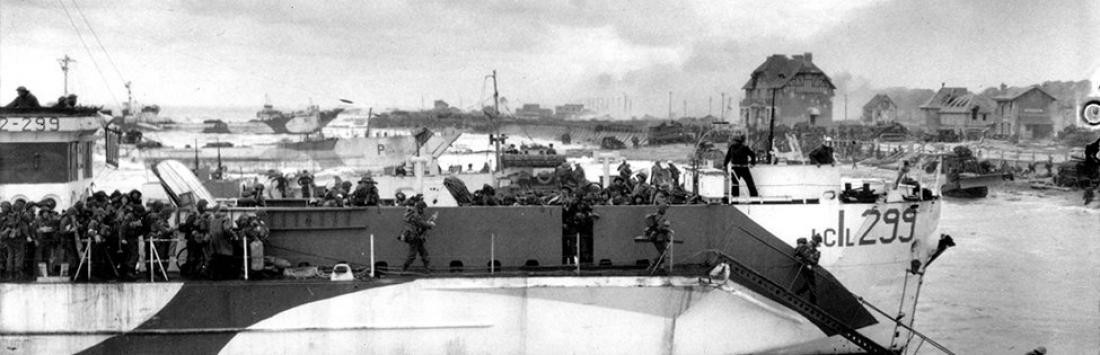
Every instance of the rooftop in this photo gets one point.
(950, 99)
(779, 69)
(1015, 93)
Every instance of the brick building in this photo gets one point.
(1026, 113)
(798, 89)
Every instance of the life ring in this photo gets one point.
(544, 179)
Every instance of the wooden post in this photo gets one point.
(578, 260)
(372, 265)
(492, 253)
(671, 251)
(246, 261)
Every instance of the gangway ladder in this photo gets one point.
(805, 308)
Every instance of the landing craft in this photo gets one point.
(867, 285)
(357, 147)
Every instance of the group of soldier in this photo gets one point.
(340, 194)
(216, 243)
(24, 99)
(105, 234)
(108, 226)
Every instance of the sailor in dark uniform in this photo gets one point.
(740, 157)
(25, 99)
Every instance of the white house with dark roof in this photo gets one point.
(1027, 113)
(795, 86)
(957, 109)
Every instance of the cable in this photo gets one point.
(88, 50)
(96, 36)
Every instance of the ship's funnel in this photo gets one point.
(183, 187)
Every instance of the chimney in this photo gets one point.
(809, 57)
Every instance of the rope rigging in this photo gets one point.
(84, 43)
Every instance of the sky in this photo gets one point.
(405, 54)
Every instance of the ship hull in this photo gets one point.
(513, 315)
(480, 313)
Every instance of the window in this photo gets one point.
(26, 163)
(88, 158)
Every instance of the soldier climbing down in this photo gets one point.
(657, 229)
(808, 256)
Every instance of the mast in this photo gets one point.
(771, 128)
(219, 158)
(196, 156)
(723, 104)
(65, 61)
(670, 105)
(129, 100)
(496, 126)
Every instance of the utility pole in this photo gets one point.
(771, 128)
(670, 105)
(723, 107)
(845, 104)
(498, 138)
(129, 100)
(684, 113)
(64, 61)
(710, 105)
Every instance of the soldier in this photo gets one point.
(366, 194)
(220, 248)
(18, 236)
(255, 231)
(578, 175)
(415, 234)
(5, 233)
(808, 255)
(160, 235)
(132, 228)
(49, 251)
(72, 226)
(642, 189)
(25, 99)
(674, 173)
(564, 175)
(823, 154)
(624, 170)
(657, 229)
(305, 180)
(660, 175)
(103, 233)
(194, 230)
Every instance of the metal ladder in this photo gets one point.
(807, 309)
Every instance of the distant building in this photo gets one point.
(880, 109)
(958, 110)
(797, 88)
(569, 111)
(534, 112)
(441, 105)
(1026, 113)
